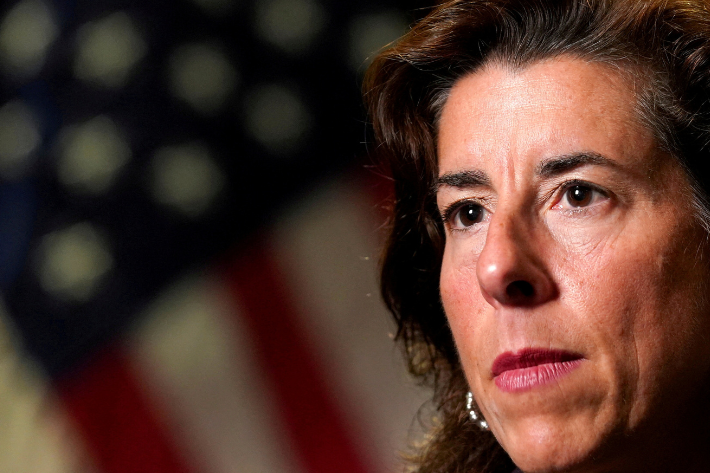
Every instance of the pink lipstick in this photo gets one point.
(532, 367)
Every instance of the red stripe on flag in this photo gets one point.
(314, 423)
(121, 432)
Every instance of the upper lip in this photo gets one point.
(530, 357)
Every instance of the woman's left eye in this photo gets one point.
(580, 195)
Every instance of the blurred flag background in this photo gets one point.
(189, 236)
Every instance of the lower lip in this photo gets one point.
(524, 379)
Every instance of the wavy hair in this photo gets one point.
(662, 46)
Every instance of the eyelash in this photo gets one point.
(566, 186)
(451, 210)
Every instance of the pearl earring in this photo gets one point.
(477, 418)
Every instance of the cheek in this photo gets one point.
(458, 266)
(629, 285)
(459, 284)
(614, 278)
(642, 296)
(458, 281)
(461, 297)
(616, 293)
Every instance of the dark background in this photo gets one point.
(287, 115)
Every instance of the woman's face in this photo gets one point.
(573, 277)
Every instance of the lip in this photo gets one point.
(532, 367)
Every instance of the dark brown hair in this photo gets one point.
(663, 46)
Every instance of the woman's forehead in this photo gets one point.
(497, 116)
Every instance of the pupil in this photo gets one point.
(470, 215)
(579, 194)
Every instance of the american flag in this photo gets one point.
(189, 239)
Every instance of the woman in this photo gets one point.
(549, 246)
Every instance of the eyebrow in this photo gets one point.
(550, 167)
(560, 164)
(462, 180)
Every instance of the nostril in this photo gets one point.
(520, 289)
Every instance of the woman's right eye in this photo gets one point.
(466, 215)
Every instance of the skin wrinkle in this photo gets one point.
(615, 273)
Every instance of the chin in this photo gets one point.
(538, 446)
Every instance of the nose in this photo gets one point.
(511, 267)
